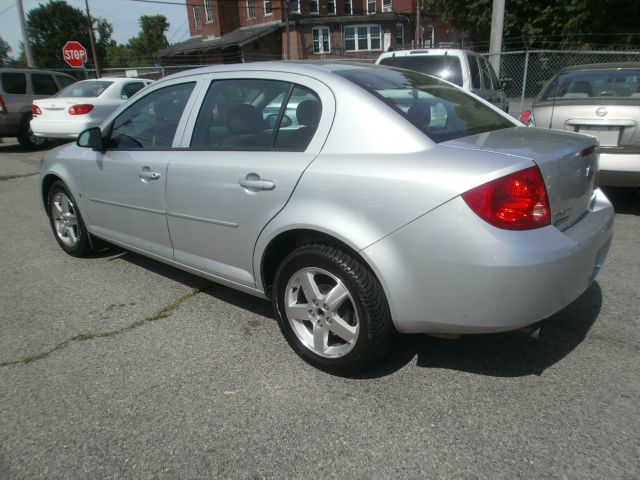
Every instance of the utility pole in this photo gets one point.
(417, 22)
(25, 38)
(495, 44)
(92, 41)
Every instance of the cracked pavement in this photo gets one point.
(118, 366)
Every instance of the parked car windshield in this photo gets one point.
(441, 111)
(85, 88)
(441, 66)
(585, 84)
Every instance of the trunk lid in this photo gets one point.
(57, 109)
(568, 163)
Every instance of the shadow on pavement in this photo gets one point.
(625, 200)
(499, 355)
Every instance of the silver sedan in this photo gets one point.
(360, 199)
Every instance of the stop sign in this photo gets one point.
(74, 54)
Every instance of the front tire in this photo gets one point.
(66, 222)
(331, 309)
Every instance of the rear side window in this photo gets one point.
(474, 70)
(43, 84)
(441, 111)
(88, 88)
(130, 89)
(441, 66)
(14, 83)
(64, 81)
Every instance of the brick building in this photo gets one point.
(229, 31)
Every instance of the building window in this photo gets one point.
(197, 22)
(294, 6)
(348, 7)
(362, 37)
(331, 7)
(268, 9)
(251, 9)
(386, 6)
(314, 7)
(371, 6)
(208, 11)
(321, 40)
(399, 35)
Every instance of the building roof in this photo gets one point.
(240, 37)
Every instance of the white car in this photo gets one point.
(82, 105)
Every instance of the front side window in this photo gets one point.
(474, 71)
(441, 111)
(321, 40)
(362, 37)
(197, 22)
(85, 88)
(256, 115)
(313, 7)
(152, 121)
(208, 11)
(14, 83)
(268, 8)
(486, 75)
(251, 9)
(43, 84)
(386, 6)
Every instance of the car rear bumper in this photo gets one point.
(65, 129)
(10, 124)
(619, 169)
(450, 272)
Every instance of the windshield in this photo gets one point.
(585, 84)
(441, 66)
(441, 111)
(88, 88)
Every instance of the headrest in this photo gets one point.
(420, 114)
(308, 113)
(244, 119)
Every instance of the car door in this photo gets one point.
(242, 156)
(124, 186)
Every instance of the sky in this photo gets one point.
(122, 14)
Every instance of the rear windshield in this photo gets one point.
(441, 66)
(616, 84)
(441, 111)
(88, 88)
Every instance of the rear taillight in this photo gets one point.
(517, 201)
(526, 117)
(35, 110)
(81, 109)
(3, 107)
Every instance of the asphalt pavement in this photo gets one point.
(117, 366)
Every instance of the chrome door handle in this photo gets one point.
(257, 184)
(148, 175)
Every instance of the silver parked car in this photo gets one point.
(602, 100)
(393, 200)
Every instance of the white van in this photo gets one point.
(464, 68)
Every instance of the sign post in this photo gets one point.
(74, 54)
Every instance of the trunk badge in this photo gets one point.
(601, 112)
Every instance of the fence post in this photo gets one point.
(524, 80)
(162, 71)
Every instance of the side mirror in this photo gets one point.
(92, 138)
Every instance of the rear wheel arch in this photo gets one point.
(286, 242)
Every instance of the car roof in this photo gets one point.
(418, 52)
(602, 66)
(32, 70)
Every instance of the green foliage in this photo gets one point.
(50, 25)
(140, 50)
(546, 23)
(5, 49)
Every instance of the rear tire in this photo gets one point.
(331, 309)
(66, 222)
(27, 139)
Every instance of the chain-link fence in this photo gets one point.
(528, 71)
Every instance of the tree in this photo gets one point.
(140, 50)
(545, 23)
(5, 49)
(50, 25)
